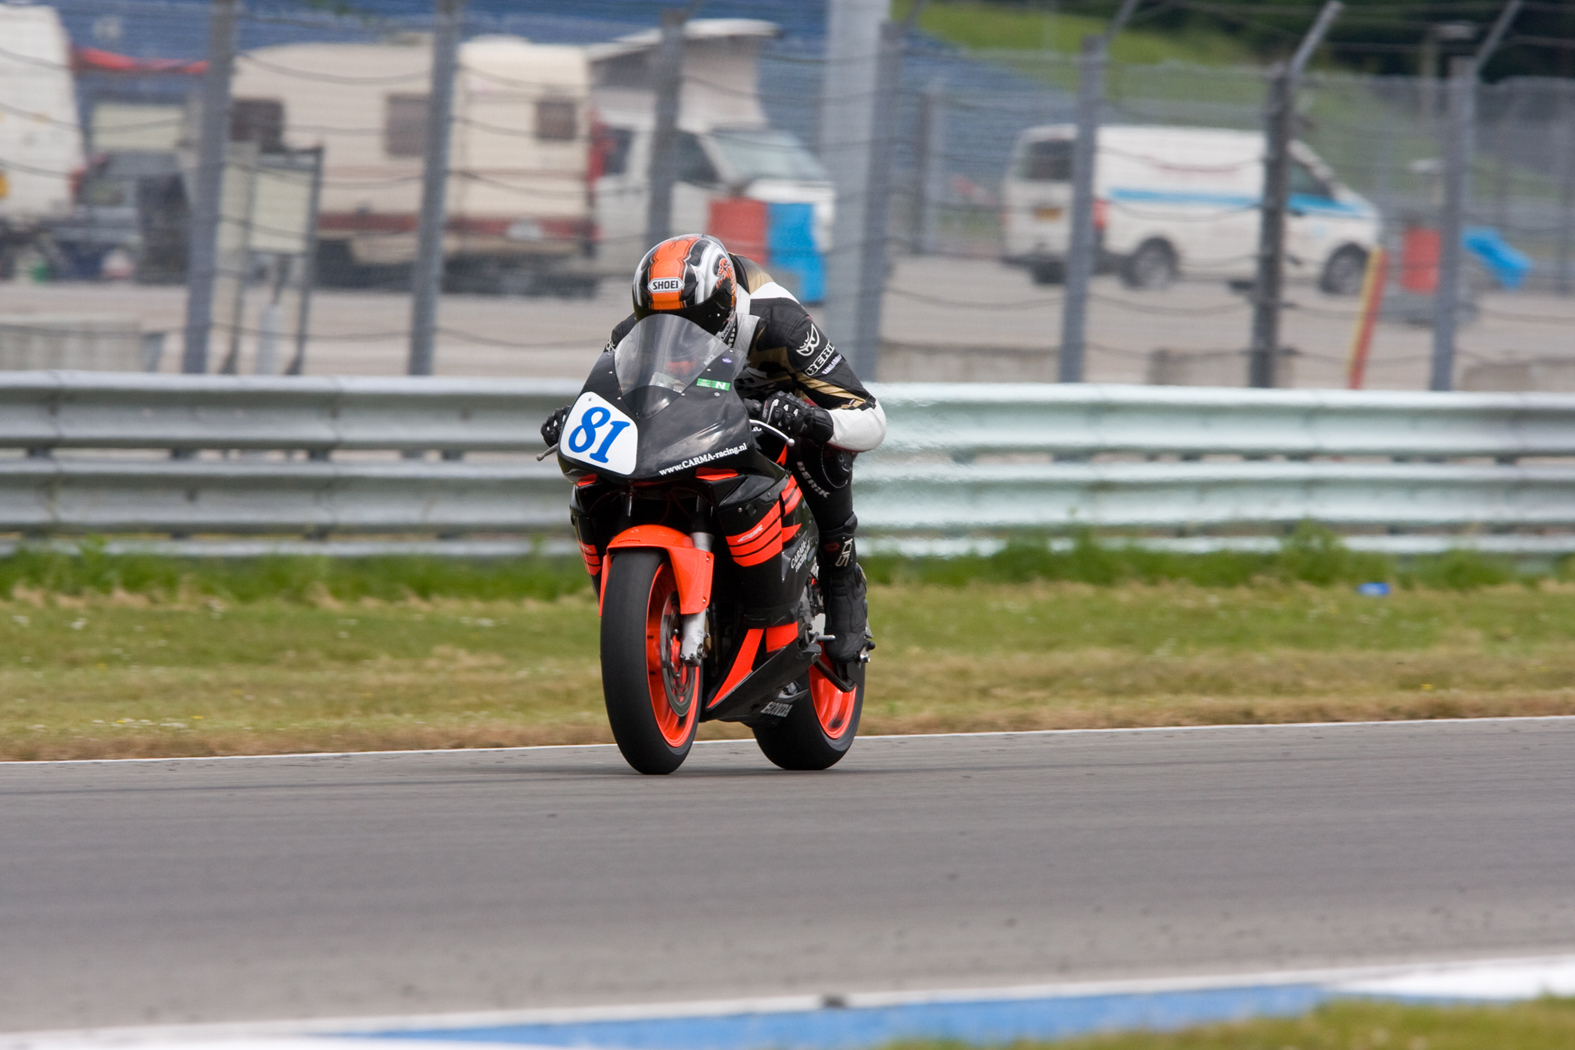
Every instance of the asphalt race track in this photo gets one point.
(205, 890)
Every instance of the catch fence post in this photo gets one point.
(875, 240)
(1080, 247)
(1457, 187)
(308, 269)
(1564, 137)
(664, 136)
(930, 182)
(855, 44)
(1268, 287)
(426, 275)
(1279, 130)
(202, 252)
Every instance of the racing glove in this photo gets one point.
(552, 430)
(793, 416)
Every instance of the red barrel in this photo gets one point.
(1419, 260)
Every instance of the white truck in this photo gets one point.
(549, 155)
(1174, 200)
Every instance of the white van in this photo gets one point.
(1172, 201)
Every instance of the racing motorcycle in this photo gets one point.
(703, 554)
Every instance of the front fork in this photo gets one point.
(691, 631)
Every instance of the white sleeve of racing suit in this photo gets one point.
(858, 429)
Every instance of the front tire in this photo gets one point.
(1344, 273)
(653, 699)
(819, 728)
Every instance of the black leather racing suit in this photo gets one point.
(788, 352)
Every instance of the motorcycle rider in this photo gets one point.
(794, 380)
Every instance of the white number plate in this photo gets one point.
(599, 435)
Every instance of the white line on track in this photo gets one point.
(1113, 730)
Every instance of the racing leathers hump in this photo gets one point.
(789, 352)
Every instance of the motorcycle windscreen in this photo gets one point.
(660, 358)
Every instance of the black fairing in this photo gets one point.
(704, 425)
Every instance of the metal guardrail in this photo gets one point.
(1084, 419)
(114, 453)
(101, 410)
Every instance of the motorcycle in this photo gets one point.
(703, 554)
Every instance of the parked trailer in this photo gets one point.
(520, 161)
(40, 140)
(1173, 201)
(550, 154)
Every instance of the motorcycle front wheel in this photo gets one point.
(653, 698)
(819, 728)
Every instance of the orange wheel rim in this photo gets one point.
(674, 685)
(833, 706)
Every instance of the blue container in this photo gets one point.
(793, 258)
(1508, 265)
(1373, 590)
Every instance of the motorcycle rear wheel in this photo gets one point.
(819, 728)
(653, 699)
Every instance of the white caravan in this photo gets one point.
(1173, 201)
(518, 189)
(40, 138)
(550, 147)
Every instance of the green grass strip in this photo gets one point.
(1543, 1024)
(1311, 554)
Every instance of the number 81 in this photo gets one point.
(583, 436)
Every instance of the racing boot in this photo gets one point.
(847, 610)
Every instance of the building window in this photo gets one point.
(556, 120)
(405, 125)
(694, 166)
(613, 144)
(259, 120)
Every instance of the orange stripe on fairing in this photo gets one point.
(791, 497)
(750, 560)
(593, 558)
(788, 532)
(589, 479)
(755, 530)
(782, 634)
(742, 665)
(771, 534)
(753, 552)
(715, 475)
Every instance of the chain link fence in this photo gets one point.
(953, 309)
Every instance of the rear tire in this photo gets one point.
(653, 700)
(820, 727)
(1151, 268)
